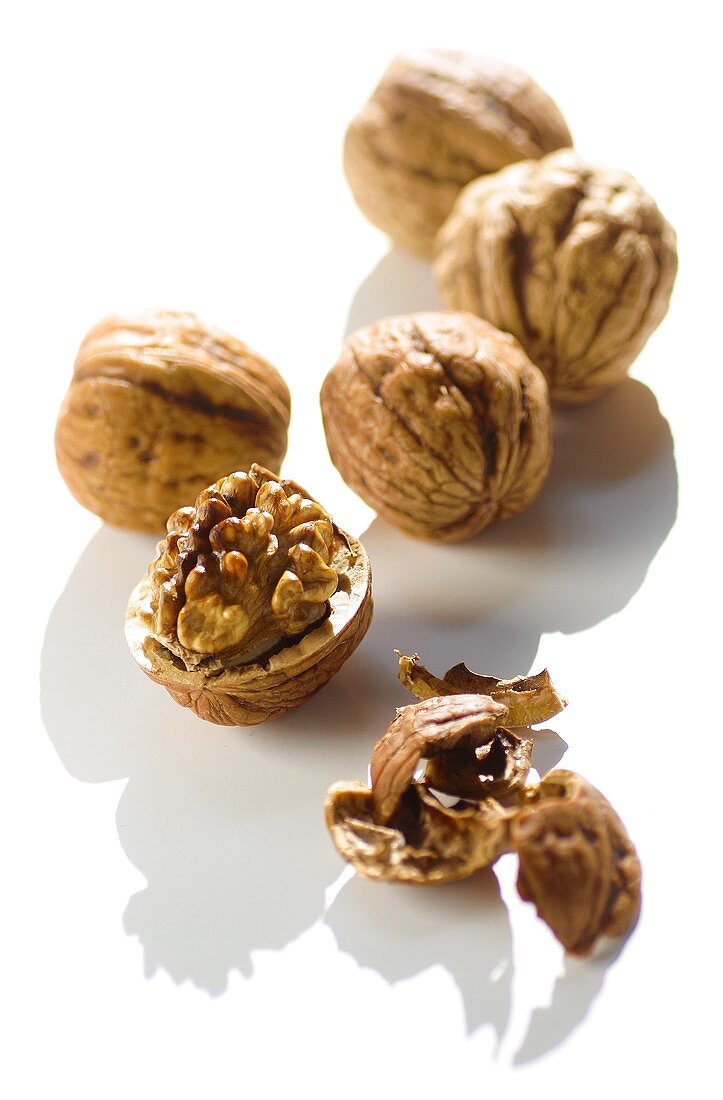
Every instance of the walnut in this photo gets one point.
(254, 600)
(159, 406)
(438, 119)
(574, 260)
(439, 422)
(577, 863)
(424, 842)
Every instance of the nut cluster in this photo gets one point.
(254, 600)
(439, 422)
(574, 260)
(576, 861)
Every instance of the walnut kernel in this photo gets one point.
(254, 600)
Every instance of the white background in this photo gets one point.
(170, 921)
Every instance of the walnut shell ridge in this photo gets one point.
(160, 405)
(235, 616)
(438, 119)
(439, 422)
(573, 259)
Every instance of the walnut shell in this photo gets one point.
(577, 862)
(254, 600)
(438, 119)
(424, 843)
(439, 422)
(159, 406)
(574, 260)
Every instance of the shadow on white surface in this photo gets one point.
(400, 931)
(225, 824)
(398, 284)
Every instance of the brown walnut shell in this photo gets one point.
(577, 862)
(159, 406)
(438, 119)
(466, 749)
(423, 843)
(254, 600)
(574, 260)
(529, 699)
(439, 422)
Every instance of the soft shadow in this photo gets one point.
(575, 990)
(398, 284)
(225, 824)
(575, 557)
(400, 931)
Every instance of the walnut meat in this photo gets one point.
(574, 260)
(577, 862)
(438, 119)
(254, 600)
(439, 422)
(159, 406)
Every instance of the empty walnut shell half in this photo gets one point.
(424, 842)
(159, 406)
(529, 699)
(254, 600)
(574, 260)
(468, 752)
(439, 422)
(577, 862)
(438, 119)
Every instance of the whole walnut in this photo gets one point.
(439, 422)
(254, 600)
(438, 119)
(160, 405)
(573, 259)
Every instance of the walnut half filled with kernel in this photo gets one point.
(438, 119)
(255, 599)
(161, 404)
(439, 422)
(573, 259)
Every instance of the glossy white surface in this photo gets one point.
(175, 921)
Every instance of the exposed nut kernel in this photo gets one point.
(241, 614)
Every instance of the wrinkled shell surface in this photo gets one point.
(577, 862)
(254, 600)
(439, 422)
(159, 406)
(574, 260)
(461, 728)
(438, 119)
(529, 699)
(424, 843)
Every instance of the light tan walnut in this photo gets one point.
(254, 600)
(159, 406)
(574, 260)
(577, 862)
(439, 422)
(424, 842)
(438, 119)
